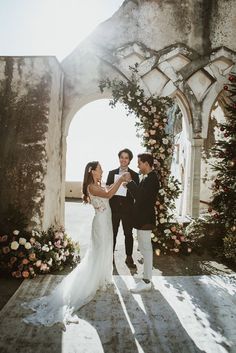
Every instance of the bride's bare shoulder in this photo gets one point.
(94, 189)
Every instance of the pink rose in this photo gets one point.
(58, 244)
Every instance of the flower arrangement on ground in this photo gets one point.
(26, 254)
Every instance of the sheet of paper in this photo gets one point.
(122, 191)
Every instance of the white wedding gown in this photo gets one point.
(80, 286)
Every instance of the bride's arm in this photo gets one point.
(96, 190)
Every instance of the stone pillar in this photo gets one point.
(31, 90)
(193, 178)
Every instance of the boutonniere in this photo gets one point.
(142, 177)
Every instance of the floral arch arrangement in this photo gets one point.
(151, 123)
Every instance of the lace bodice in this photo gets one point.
(100, 204)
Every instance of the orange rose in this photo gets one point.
(25, 261)
(13, 260)
(25, 274)
(18, 274)
(6, 250)
(32, 256)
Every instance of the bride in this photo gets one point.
(95, 269)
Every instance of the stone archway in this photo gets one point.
(162, 75)
(184, 51)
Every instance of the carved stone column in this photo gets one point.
(192, 194)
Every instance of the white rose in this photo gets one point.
(14, 245)
(152, 142)
(28, 245)
(165, 141)
(152, 132)
(154, 239)
(22, 241)
(161, 149)
(50, 262)
(162, 220)
(162, 156)
(146, 134)
(45, 248)
(16, 232)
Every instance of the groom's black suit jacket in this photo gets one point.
(121, 204)
(145, 198)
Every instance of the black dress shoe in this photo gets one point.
(130, 262)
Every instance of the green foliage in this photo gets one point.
(152, 125)
(223, 205)
(230, 247)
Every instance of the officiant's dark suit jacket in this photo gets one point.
(122, 208)
(145, 198)
(121, 204)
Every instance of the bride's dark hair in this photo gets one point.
(88, 179)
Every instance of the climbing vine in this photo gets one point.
(151, 123)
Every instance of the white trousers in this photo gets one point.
(145, 247)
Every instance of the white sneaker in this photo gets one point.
(141, 287)
(138, 275)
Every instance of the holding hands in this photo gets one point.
(126, 177)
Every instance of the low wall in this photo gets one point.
(73, 189)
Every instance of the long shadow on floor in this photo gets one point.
(156, 326)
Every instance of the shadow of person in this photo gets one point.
(106, 315)
(155, 324)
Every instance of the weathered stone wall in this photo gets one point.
(30, 137)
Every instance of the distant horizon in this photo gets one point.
(116, 131)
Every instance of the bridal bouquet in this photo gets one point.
(24, 254)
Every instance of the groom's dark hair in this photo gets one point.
(146, 157)
(126, 150)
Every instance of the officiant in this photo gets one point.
(122, 203)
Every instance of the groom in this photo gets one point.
(144, 215)
(121, 206)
